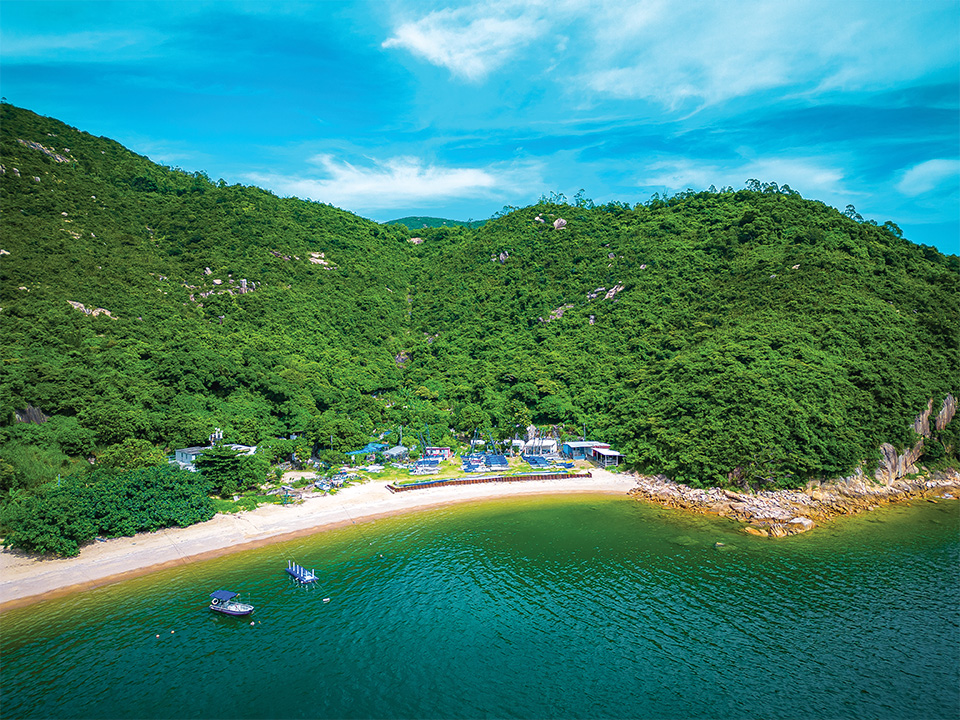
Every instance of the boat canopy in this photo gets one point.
(223, 595)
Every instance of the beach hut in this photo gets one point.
(185, 457)
(580, 449)
(398, 453)
(604, 456)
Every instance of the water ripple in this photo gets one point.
(564, 608)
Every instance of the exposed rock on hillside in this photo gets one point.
(90, 311)
(49, 152)
(894, 465)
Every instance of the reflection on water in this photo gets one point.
(560, 607)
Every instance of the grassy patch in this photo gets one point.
(246, 502)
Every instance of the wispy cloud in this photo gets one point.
(399, 182)
(91, 45)
(470, 42)
(706, 53)
(694, 55)
(928, 175)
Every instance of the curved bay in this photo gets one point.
(551, 607)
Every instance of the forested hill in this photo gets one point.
(733, 336)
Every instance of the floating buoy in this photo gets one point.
(158, 636)
(172, 631)
(252, 622)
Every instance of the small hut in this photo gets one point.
(398, 453)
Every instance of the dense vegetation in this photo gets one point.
(66, 514)
(736, 336)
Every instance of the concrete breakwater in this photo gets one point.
(446, 482)
(779, 513)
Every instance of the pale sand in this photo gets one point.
(24, 580)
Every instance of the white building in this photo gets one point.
(540, 446)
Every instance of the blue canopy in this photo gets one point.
(369, 448)
(223, 595)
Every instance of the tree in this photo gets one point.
(25, 467)
(131, 454)
(230, 471)
(851, 212)
(893, 228)
(472, 416)
(516, 416)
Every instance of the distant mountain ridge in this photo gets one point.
(744, 337)
(417, 222)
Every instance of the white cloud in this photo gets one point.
(397, 183)
(473, 41)
(808, 177)
(927, 175)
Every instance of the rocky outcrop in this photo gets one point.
(894, 465)
(49, 152)
(90, 311)
(30, 414)
(946, 413)
(780, 513)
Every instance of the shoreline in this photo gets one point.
(781, 513)
(26, 579)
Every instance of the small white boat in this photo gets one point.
(227, 602)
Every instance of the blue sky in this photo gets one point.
(393, 108)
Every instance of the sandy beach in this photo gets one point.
(25, 579)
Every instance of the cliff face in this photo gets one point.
(894, 465)
(30, 415)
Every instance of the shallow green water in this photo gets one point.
(563, 607)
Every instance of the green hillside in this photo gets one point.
(746, 337)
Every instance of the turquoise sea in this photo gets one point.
(566, 607)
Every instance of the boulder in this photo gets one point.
(801, 524)
(754, 530)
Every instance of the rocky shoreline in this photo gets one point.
(780, 513)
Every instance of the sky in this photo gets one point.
(392, 108)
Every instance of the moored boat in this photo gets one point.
(227, 602)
